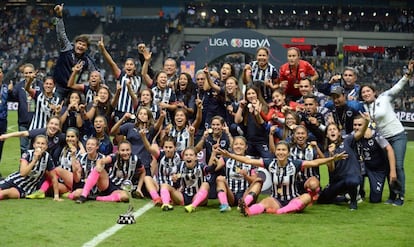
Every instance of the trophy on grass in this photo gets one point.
(128, 217)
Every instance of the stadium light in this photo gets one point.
(281, 12)
(270, 11)
(226, 11)
(214, 11)
(362, 13)
(251, 11)
(238, 11)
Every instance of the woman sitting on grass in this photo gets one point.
(122, 166)
(34, 164)
(64, 170)
(285, 197)
(241, 182)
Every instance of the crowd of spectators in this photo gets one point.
(372, 19)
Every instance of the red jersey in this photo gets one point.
(294, 75)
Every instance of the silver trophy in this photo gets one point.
(128, 217)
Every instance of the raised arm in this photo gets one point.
(26, 167)
(321, 161)
(62, 38)
(152, 149)
(401, 83)
(360, 132)
(115, 69)
(243, 159)
(73, 77)
(144, 71)
(23, 133)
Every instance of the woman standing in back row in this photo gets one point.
(385, 120)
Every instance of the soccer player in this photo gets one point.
(91, 89)
(285, 197)
(165, 179)
(240, 182)
(34, 164)
(128, 86)
(82, 166)
(121, 166)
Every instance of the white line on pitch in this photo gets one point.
(110, 231)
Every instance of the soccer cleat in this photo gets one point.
(81, 200)
(166, 207)
(353, 205)
(389, 201)
(157, 201)
(38, 194)
(224, 208)
(65, 195)
(398, 202)
(244, 209)
(189, 208)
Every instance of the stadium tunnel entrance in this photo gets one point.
(235, 41)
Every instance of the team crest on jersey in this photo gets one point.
(349, 113)
(222, 143)
(371, 142)
(55, 139)
(24, 156)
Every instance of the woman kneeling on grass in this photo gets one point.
(34, 164)
(122, 166)
(284, 198)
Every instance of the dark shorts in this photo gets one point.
(111, 188)
(238, 196)
(281, 203)
(7, 185)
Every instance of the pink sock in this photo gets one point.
(90, 182)
(154, 195)
(114, 197)
(248, 199)
(222, 198)
(256, 209)
(45, 185)
(165, 196)
(199, 197)
(70, 196)
(293, 206)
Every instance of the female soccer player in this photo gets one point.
(121, 166)
(285, 197)
(240, 181)
(34, 164)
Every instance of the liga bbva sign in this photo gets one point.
(235, 41)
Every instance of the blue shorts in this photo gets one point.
(4, 185)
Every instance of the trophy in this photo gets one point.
(128, 217)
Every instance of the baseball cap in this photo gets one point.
(337, 90)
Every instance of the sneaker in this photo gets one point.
(398, 202)
(359, 198)
(389, 201)
(224, 208)
(189, 208)
(167, 207)
(38, 194)
(81, 200)
(157, 201)
(353, 205)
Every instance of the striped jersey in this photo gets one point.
(283, 178)
(121, 170)
(236, 181)
(182, 138)
(307, 153)
(29, 183)
(43, 110)
(87, 165)
(259, 76)
(125, 101)
(191, 178)
(167, 167)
